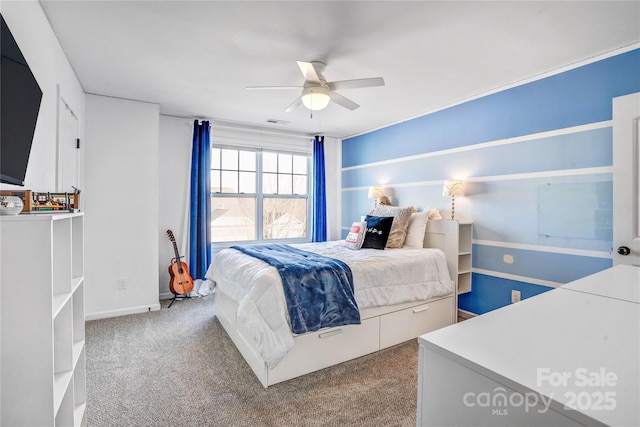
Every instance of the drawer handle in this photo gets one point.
(330, 333)
(421, 309)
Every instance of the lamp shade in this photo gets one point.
(375, 192)
(453, 187)
(315, 98)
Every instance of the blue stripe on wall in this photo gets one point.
(511, 211)
(490, 293)
(575, 97)
(571, 151)
(553, 267)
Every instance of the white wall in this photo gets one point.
(175, 159)
(333, 182)
(122, 206)
(52, 70)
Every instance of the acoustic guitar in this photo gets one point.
(181, 281)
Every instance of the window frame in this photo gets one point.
(259, 196)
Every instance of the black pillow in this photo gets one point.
(378, 228)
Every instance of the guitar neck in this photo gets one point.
(175, 251)
(176, 254)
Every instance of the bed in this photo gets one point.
(401, 294)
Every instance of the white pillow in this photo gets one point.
(416, 229)
(355, 238)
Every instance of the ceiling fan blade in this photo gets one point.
(295, 104)
(356, 83)
(273, 87)
(345, 102)
(309, 71)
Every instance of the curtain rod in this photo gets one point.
(218, 125)
(263, 131)
(250, 128)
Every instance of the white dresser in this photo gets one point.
(563, 358)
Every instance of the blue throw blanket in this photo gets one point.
(318, 289)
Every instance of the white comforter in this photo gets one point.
(387, 277)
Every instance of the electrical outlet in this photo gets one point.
(122, 284)
(515, 296)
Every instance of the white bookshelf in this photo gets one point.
(43, 374)
(457, 238)
(465, 236)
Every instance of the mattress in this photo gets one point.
(380, 277)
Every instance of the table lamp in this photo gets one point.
(452, 188)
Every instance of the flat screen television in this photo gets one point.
(19, 106)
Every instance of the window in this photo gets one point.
(258, 195)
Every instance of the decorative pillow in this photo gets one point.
(377, 234)
(434, 214)
(416, 229)
(401, 218)
(356, 235)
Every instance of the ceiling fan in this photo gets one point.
(317, 92)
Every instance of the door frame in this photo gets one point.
(626, 177)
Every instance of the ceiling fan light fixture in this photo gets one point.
(315, 98)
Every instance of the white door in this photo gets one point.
(626, 180)
(68, 168)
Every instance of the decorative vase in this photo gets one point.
(10, 205)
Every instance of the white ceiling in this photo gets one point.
(195, 58)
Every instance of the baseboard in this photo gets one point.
(122, 312)
(167, 295)
(466, 314)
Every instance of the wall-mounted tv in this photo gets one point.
(19, 107)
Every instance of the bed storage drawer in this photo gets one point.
(321, 349)
(409, 323)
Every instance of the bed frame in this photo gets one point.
(380, 327)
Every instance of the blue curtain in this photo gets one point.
(319, 232)
(200, 202)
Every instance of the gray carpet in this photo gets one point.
(178, 367)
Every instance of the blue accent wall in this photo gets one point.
(537, 163)
(578, 150)
(579, 96)
(535, 264)
(496, 293)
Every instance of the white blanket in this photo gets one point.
(380, 277)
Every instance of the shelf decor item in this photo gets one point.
(26, 196)
(10, 205)
(60, 202)
(453, 188)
